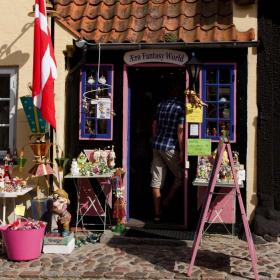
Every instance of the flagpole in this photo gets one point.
(51, 128)
(53, 133)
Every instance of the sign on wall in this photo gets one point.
(155, 55)
(199, 147)
(194, 114)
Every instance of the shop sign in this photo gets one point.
(194, 114)
(155, 55)
(199, 147)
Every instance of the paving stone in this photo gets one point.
(29, 274)
(180, 276)
(136, 275)
(35, 263)
(121, 269)
(92, 274)
(114, 275)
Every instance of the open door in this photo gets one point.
(144, 87)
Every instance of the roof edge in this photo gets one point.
(173, 45)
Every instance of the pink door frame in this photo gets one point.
(125, 135)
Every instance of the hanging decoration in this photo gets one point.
(193, 99)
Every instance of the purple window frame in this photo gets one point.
(219, 102)
(93, 131)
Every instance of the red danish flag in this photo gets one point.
(44, 65)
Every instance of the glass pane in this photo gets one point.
(211, 76)
(4, 112)
(4, 86)
(90, 126)
(90, 110)
(224, 76)
(224, 110)
(4, 138)
(211, 93)
(224, 94)
(211, 110)
(211, 128)
(102, 126)
(224, 128)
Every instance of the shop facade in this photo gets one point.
(138, 67)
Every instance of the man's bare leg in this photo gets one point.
(156, 196)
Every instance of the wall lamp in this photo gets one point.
(193, 67)
(82, 43)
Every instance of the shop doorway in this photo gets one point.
(147, 86)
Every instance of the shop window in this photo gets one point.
(218, 92)
(8, 93)
(96, 102)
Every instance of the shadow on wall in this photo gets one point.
(18, 57)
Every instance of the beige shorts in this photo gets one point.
(163, 160)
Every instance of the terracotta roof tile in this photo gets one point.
(151, 21)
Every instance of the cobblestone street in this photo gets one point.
(219, 257)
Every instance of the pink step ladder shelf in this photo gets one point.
(223, 146)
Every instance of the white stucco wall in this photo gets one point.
(17, 50)
(244, 19)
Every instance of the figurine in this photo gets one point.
(104, 156)
(194, 99)
(60, 213)
(82, 159)
(75, 170)
(8, 159)
(111, 158)
(96, 156)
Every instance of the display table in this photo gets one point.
(223, 205)
(13, 196)
(89, 202)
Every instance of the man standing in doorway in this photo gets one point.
(168, 153)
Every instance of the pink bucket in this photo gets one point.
(23, 245)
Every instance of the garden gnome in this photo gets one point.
(60, 213)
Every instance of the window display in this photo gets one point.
(96, 102)
(218, 92)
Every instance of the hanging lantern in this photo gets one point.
(193, 66)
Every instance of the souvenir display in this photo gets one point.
(205, 166)
(9, 184)
(94, 162)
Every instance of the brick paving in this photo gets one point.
(219, 257)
